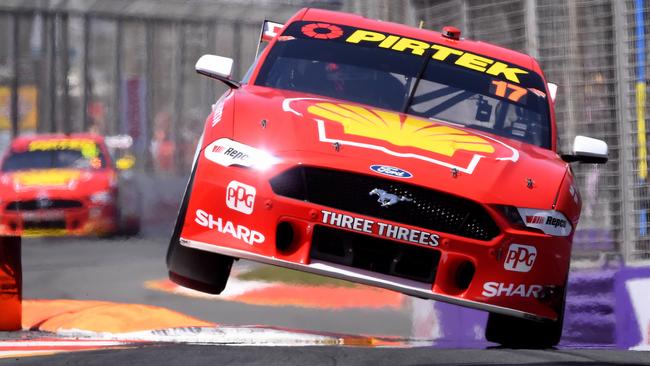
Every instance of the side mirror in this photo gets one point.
(217, 67)
(587, 150)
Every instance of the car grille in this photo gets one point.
(374, 254)
(426, 208)
(45, 204)
(43, 225)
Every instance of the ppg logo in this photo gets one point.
(240, 197)
(520, 258)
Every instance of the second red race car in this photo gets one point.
(56, 184)
(392, 156)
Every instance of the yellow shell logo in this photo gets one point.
(410, 132)
(46, 178)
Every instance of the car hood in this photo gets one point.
(22, 184)
(313, 130)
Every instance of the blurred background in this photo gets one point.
(127, 67)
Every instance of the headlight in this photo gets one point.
(550, 222)
(227, 152)
(101, 198)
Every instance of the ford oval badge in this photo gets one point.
(391, 171)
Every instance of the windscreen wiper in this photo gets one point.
(427, 57)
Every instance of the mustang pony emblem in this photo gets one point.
(388, 199)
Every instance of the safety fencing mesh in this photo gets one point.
(595, 51)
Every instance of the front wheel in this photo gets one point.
(192, 268)
(522, 333)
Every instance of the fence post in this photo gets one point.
(11, 283)
(85, 121)
(15, 82)
(150, 76)
(66, 118)
(52, 72)
(117, 110)
(530, 20)
(179, 88)
(624, 129)
(464, 18)
(237, 51)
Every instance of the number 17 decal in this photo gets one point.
(516, 92)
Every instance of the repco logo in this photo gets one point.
(552, 221)
(240, 197)
(520, 258)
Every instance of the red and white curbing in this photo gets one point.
(220, 335)
(74, 340)
(48, 346)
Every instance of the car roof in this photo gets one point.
(478, 47)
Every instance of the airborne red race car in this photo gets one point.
(56, 184)
(391, 156)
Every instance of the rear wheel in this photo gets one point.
(192, 268)
(131, 227)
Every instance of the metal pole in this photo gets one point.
(40, 65)
(52, 70)
(236, 43)
(15, 76)
(179, 76)
(571, 76)
(530, 16)
(212, 42)
(149, 84)
(65, 69)
(625, 131)
(85, 122)
(117, 111)
(464, 18)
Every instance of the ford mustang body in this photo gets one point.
(55, 184)
(392, 156)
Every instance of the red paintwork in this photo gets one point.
(89, 219)
(294, 138)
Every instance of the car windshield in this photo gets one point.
(88, 156)
(408, 75)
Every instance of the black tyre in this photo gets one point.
(522, 333)
(131, 227)
(514, 332)
(192, 268)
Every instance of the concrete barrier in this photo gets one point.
(10, 283)
(605, 307)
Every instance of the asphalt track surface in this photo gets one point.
(189, 355)
(116, 269)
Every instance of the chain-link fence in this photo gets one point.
(129, 70)
(595, 51)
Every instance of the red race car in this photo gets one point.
(392, 156)
(58, 184)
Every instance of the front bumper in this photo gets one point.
(86, 220)
(239, 215)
